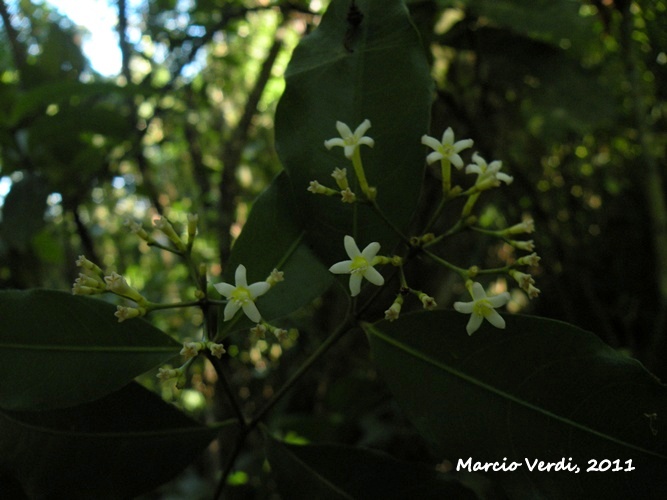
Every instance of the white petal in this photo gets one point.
(464, 307)
(461, 145)
(474, 169)
(224, 289)
(330, 143)
(355, 284)
(349, 151)
(250, 310)
(473, 323)
(456, 161)
(343, 130)
(431, 142)
(499, 300)
(495, 166)
(366, 141)
(479, 160)
(507, 179)
(361, 129)
(433, 157)
(448, 136)
(343, 267)
(258, 289)
(370, 251)
(240, 276)
(495, 319)
(478, 291)
(372, 275)
(230, 310)
(351, 247)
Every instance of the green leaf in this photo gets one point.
(541, 389)
(59, 350)
(23, 211)
(328, 471)
(124, 444)
(273, 238)
(383, 64)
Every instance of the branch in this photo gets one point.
(17, 49)
(124, 44)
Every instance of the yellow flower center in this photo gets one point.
(482, 307)
(241, 295)
(447, 150)
(359, 264)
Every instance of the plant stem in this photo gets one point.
(389, 223)
(345, 327)
(247, 427)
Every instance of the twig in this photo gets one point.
(17, 49)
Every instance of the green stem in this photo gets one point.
(389, 223)
(460, 224)
(435, 215)
(462, 272)
(219, 369)
(361, 175)
(446, 168)
(174, 305)
(247, 427)
(164, 247)
(345, 327)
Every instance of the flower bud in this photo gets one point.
(217, 350)
(163, 225)
(340, 175)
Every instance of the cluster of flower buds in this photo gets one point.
(90, 280)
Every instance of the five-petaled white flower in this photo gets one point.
(446, 148)
(350, 141)
(482, 307)
(488, 176)
(359, 266)
(242, 295)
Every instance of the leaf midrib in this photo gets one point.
(478, 383)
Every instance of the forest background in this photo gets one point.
(570, 95)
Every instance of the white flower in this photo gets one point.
(488, 176)
(348, 196)
(191, 349)
(217, 350)
(242, 295)
(116, 283)
(482, 307)
(527, 226)
(527, 245)
(123, 313)
(275, 277)
(446, 148)
(394, 310)
(529, 260)
(360, 266)
(340, 175)
(350, 141)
